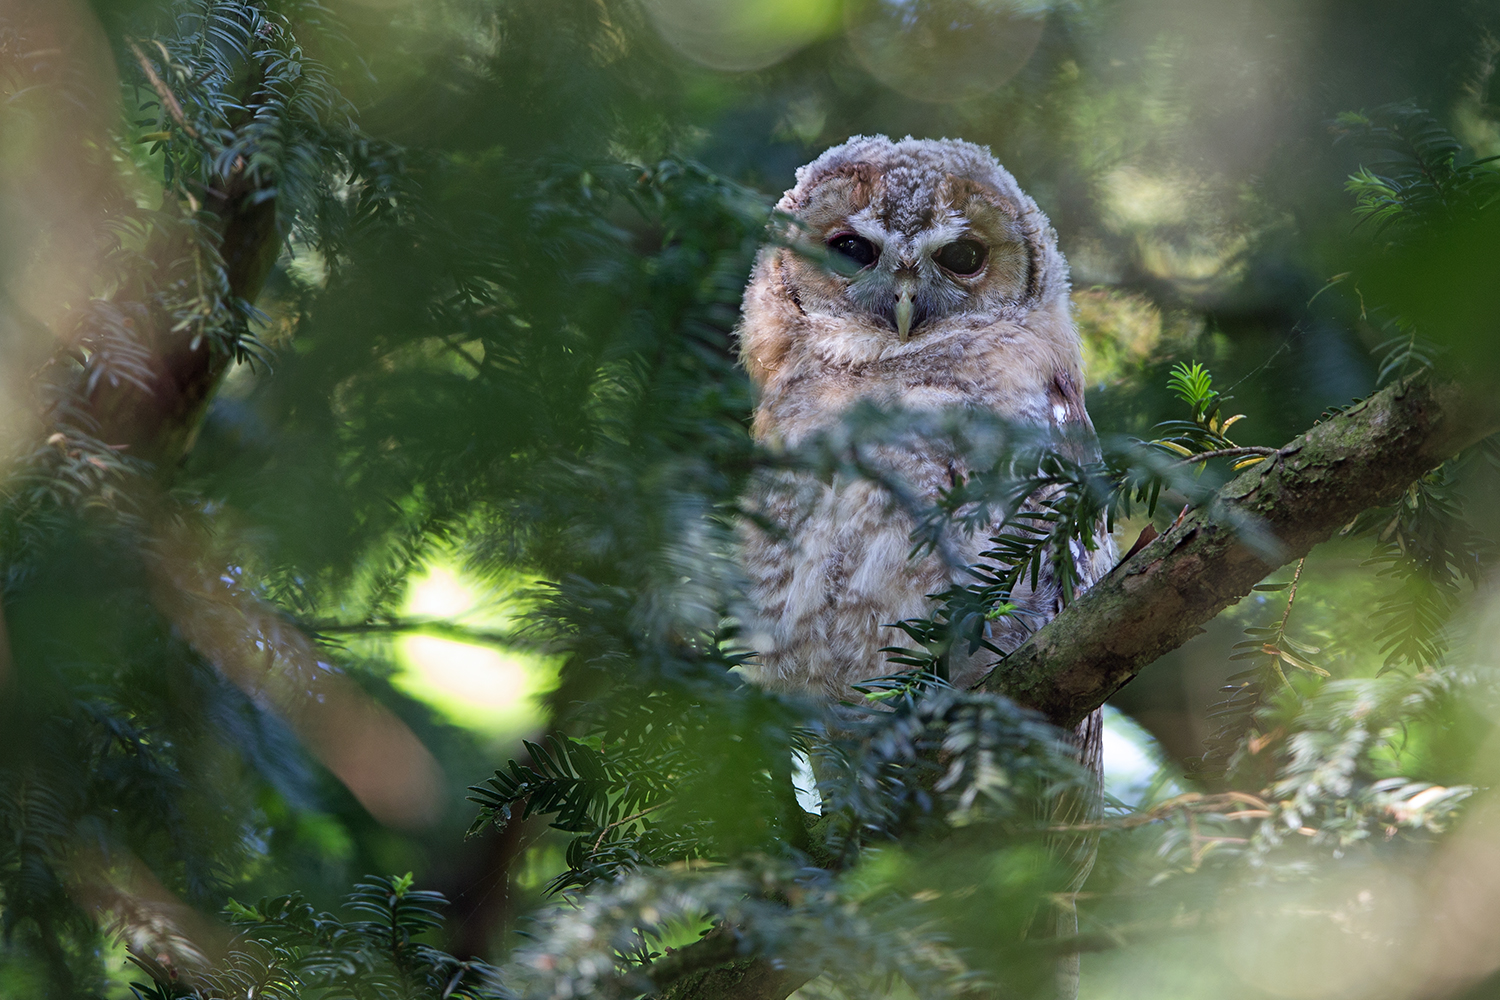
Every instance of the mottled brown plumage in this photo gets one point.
(816, 339)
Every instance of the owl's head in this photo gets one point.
(908, 236)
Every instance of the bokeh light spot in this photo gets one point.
(744, 35)
(944, 50)
(479, 686)
(439, 594)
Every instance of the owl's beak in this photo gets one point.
(904, 310)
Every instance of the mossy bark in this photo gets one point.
(1271, 514)
(742, 979)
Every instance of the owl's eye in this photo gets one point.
(961, 256)
(858, 249)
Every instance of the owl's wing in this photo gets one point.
(1065, 404)
(1078, 441)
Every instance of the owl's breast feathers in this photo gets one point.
(827, 586)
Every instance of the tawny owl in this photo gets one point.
(949, 292)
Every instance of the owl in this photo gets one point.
(912, 274)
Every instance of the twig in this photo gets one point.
(1227, 453)
(1192, 803)
(457, 348)
(1291, 596)
(431, 626)
(168, 99)
(622, 822)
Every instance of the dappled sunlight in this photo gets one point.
(491, 691)
(1178, 224)
(439, 593)
(945, 50)
(474, 685)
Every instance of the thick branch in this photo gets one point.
(740, 979)
(159, 426)
(712, 968)
(1161, 596)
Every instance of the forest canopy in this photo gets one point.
(375, 442)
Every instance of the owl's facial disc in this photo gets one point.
(907, 255)
(906, 279)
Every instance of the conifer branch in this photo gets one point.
(168, 99)
(1204, 456)
(1161, 596)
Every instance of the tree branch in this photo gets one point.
(424, 626)
(718, 947)
(741, 979)
(1160, 597)
(168, 99)
(1204, 456)
(159, 425)
(713, 968)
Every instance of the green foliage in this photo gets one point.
(1435, 203)
(1405, 353)
(98, 755)
(1238, 729)
(1423, 545)
(1327, 781)
(927, 758)
(1424, 177)
(1206, 429)
(619, 799)
(931, 773)
(1194, 386)
(1426, 553)
(283, 949)
(1431, 557)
